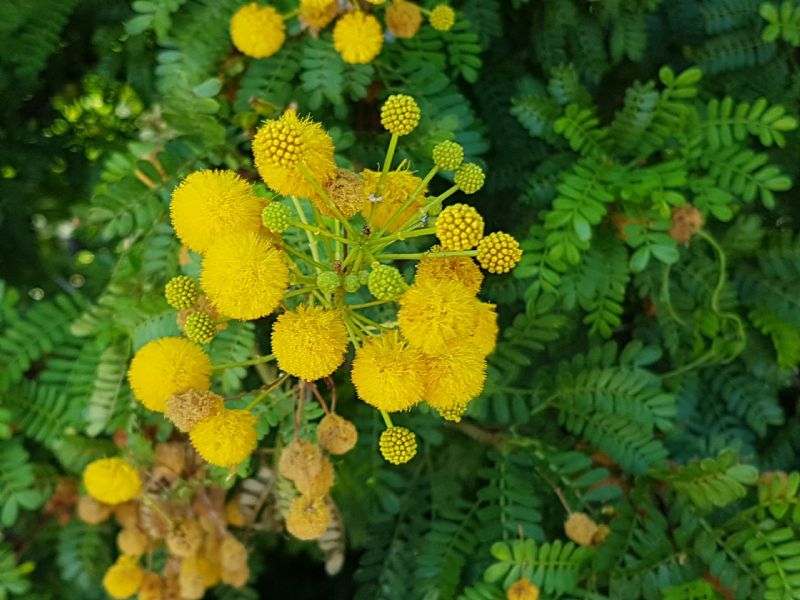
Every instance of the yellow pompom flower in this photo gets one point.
(165, 367)
(111, 480)
(318, 13)
(244, 276)
(308, 518)
(484, 339)
(442, 18)
(282, 145)
(498, 252)
(398, 445)
(226, 438)
(450, 268)
(459, 227)
(399, 184)
(435, 315)
(208, 204)
(309, 343)
(357, 37)
(123, 578)
(403, 18)
(454, 377)
(258, 31)
(400, 114)
(469, 178)
(387, 373)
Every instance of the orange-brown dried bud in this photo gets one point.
(336, 434)
(300, 459)
(318, 485)
(172, 455)
(686, 221)
(308, 518)
(132, 542)
(93, 511)
(127, 514)
(233, 513)
(185, 539)
(580, 528)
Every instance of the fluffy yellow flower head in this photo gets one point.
(165, 367)
(309, 343)
(123, 578)
(454, 377)
(522, 589)
(208, 204)
(308, 518)
(434, 315)
(450, 268)
(111, 480)
(226, 438)
(398, 186)
(442, 17)
(282, 145)
(498, 252)
(459, 227)
(387, 373)
(258, 31)
(244, 276)
(403, 18)
(398, 445)
(400, 114)
(318, 13)
(357, 37)
(484, 339)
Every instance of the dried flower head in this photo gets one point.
(346, 190)
(132, 542)
(92, 511)
(186, 409)
(300, 459)
(398, 186)
(318, 13)
(185, 538)
(310, 342)
(522, 589)
(336, 434)
(319, 484)
(403, 18)
(580, 528)
(308, 518)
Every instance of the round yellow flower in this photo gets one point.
(111, 480)
(498, 252)
(358, 37)
(208, 204)
(186, 409)
(387, 373)
(398, 445)
(454, 377)
(442, 17)
(484, 339)
(258, 31)
(346, 190)
(244, 276)
(318, 13)
(309, 343)
(459, 227)
(400, 114)
(435, 315)
(165, 367)
(308, 518)
(522, 590)
(123, 578)
(450, 268)
(225, 439)
(282, 145)
(399, 184)
(403, 18)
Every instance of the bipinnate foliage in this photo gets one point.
(643, 152)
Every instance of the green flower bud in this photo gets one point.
(385, 282)
(328, 281)
(448, 155)
(199, 327)
(469, 178)
(276, 217)
(351, 282)
(181, 292)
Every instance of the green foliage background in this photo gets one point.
(646, 382)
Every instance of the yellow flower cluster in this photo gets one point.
(260, 31)
(172, 509)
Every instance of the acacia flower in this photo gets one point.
(318, 13)
(449, 268)
(454, 377)
(111, 480)
(200, 328)
(208, 204)
(442, 17)
(357, 37)
(186, 409)
(123, 578)
(498, 252)
(459, 227)
(244, 276)
(181, 292)
(484, 339)
(469, 178)
(310, 342)
(403, 18)
(336, 434)
(435, 315)
(399, 184)
(522, 589)
(448, 155)
(165, 367)
(400, 114)
(258, 31)
(282, 145)
(346, 191)
(226, 438)
(398, 445)
(308, 518)
(387, 373)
